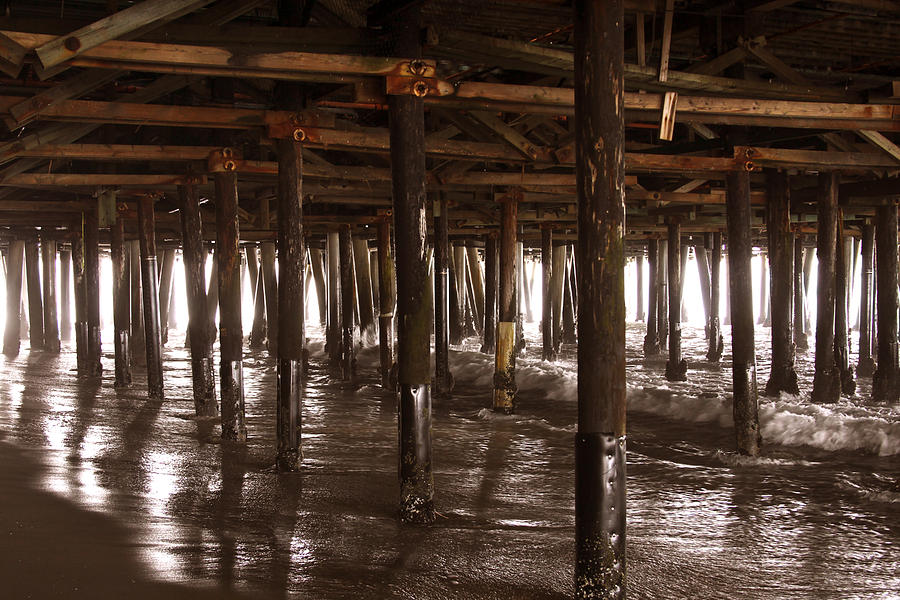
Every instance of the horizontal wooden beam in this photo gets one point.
(94, 180)
(815, 159)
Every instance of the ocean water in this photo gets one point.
(107, 493)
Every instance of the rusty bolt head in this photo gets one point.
(749, 152)
(227, 152)
(420, 89)
(418, 67)
(749, 166)
(229, 165)
(299, 135)
(72, 44)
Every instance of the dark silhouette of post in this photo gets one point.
(51, 322)
(885, 381)
(827, 379)
(866, 366)
(150, 293)
(14, 262)
(121, 303)
(676, 366)
(35, 301)
(441, 299)
(716, 342)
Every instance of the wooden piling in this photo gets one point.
(651, 337)
(841, 322)
(568, 315)
(548, 351)
(51, 323)
(333, 335)
(885, 381)
(740, 249)
(212, 298)
(557, 283)
(348, 346)
(505, 357)
(476, 285)
(491, 286)
(702, 260)
(386, 295)
(442, 376)
(14, 264)
(65, 297)
(866, 366)
(456, 326)
(165, 292)
(150, 293)
(827, 379)
(364, 288)
(407, 143)
(258, 331)
(600, 186)
(782, 377)
(121, 304)
(292, 328)
(35, 302)
(228, 264)
(92, 290)
(676, 366)
(662, 295)
(81, 330)
(763, 284)
(716, 342)
(639, 274)
(316, 259)
(462, 290)
(801, 340)
(137, 337)
(194, 257)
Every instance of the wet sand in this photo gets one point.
(106, 493)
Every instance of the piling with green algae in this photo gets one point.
(291, 329)
(505, 356)
(743, 371)
(407, 138)
(194, 258)
(600, 184)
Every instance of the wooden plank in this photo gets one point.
(65, 47)
(815, 159)
(116, 152)
(719, 63)
(667, 122)
(881, 142)
(666, 41)
(512, 137)
(757, 48)
(27, 110)
(90, 180)
(12, 56)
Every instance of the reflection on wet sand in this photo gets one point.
(113, 494)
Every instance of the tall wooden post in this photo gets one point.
(150, 293)
(716, 343)
(639, 273)
(456, 327)
(333, 337)
(270, 280)
(65, 297)
(568, 325)
(782, 377)
(702, 259)
(81, 330)
(558, 282)
(491, 285)
(801, 341)
(228, 265)
(292, 328)
(35, 302)
(548, 351)
(442, 377)
(651, 337)
(827, 380)
(462, 290)
(885, 381)
(600, 186)
(476, 285)
(866, 365)
(92, 290)
(662, 295)
(194, 257)
(520, 294)
(121, 303)
(51, 323)
(165, 291)
(348, 360)
(763, 283)
(364, 288)
(386, 294)
(505, 358)
(740, 249)
(316, 259)
(407, 137)
(841, 324)
(676, 366)
(137, 337)
(14, 262)
(258, 331)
